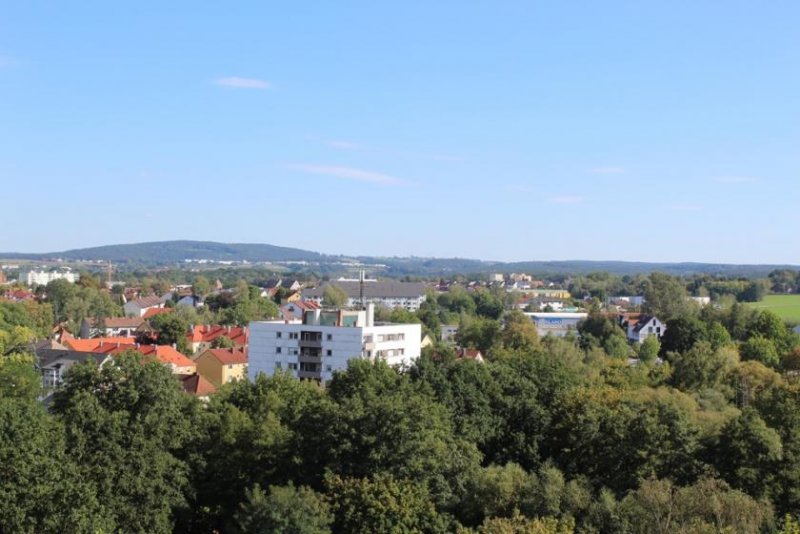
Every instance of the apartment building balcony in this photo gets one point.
(310, 340)
(304, 357)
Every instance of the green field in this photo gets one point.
(785, 306)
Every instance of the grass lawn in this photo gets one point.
(786, 307)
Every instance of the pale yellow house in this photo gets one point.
(220, 366)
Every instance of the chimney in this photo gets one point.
(371, 314)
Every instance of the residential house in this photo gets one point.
(469, 354)
(391, 294)
(639, 327)
(169, 356)
(201, 337)
(197, 385)
(53, 363)
(325, 340)
(277, 283)
(17, 295)
(89, 345)
(138, 307)
(221, 366)
(296, 309)
(166, 354)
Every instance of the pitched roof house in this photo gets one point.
(54, 363)
(221, 366)
(166, 354)
(200, 337)
(639, 327)
(298, 308)
(197, 385)
(138, 307)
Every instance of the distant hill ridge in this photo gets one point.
(173, 252)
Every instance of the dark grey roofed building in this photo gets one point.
(54, 363)
(408, 295)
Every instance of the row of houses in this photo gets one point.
(199, 337)
(200, 375)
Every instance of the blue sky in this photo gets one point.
(651, 131)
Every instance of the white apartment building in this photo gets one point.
(324, 341)
(42, 278)
(408, 295)
(557, 324)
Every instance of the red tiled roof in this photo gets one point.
(208, 333)
(18, 294)
(152, 312)
(197, 385)
(307, 305)
(89, 345)
(229, 356)
(469, 354)
(166, 354)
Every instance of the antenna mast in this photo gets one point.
(361, 276)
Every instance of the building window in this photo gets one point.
(329, 352)
(292, 335)
(277, 350)
(328, 368)
(278, 365)
(330, 337)
(293, 366)
(278, 335)
(230, 367)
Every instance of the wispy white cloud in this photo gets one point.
(236, 82)
(735, 179)
(344, 145)
(515, 188)
(347, 173)
(566, 199)
(685, 207)
(608, 170)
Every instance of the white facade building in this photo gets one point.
(408, 295)
(642, 327)
(138, 307)
(557, 324)
(42, 278)
(324, 341)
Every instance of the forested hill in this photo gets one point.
(160, 252)
(172, 252)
